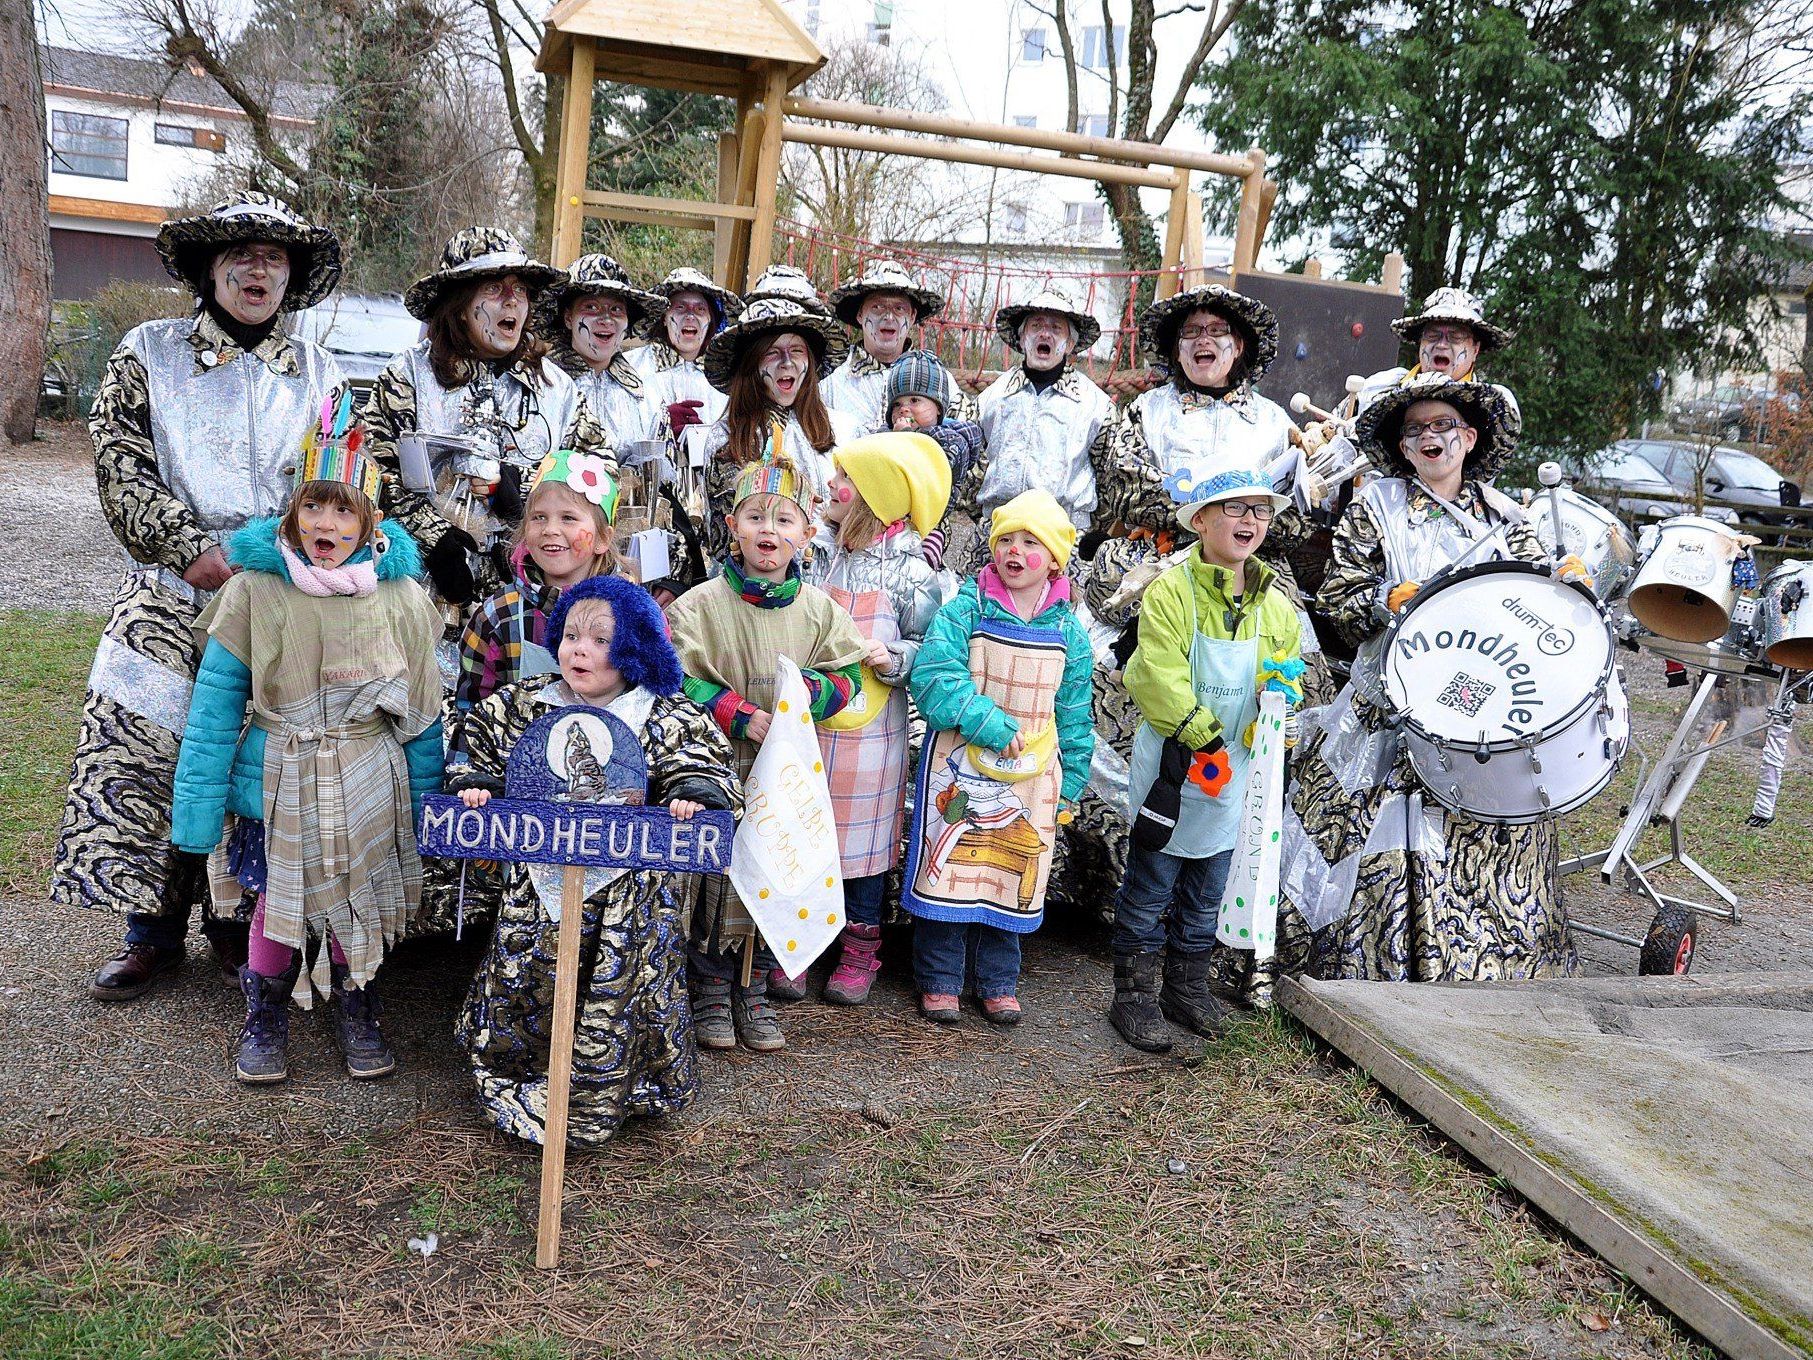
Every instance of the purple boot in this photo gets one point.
(856, 967)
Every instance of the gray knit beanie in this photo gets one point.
(917, 373)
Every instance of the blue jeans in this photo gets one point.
(160, 932)
(944, 951)
(728, 965)
(1167, 900)
(862, 899)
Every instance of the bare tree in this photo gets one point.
(864, 193)
(24, 222)
(1137, 110)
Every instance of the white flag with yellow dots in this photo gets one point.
(784, 863)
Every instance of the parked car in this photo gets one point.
(1629, 470)
(364, 331)
(1731, 475)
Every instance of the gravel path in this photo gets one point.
(73, 1062)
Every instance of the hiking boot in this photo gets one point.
(264, 1042)
(133, 971)
(783, 988)
(228, 938)
(1185, 997)
(1002, 1010)
(941, 1008)
(756, 1023)
(1134, 1011)
(857, 966)
(356, 1024)
(711, 1025)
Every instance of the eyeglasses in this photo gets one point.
(1213, 330)
(1440, 425)
(1260, 512)
(1446, 335)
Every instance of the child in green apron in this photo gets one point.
(1213, 631)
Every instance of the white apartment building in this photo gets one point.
(1000, 61)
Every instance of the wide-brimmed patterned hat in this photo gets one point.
(1051, 297)
(1218, 477)
(593, 276)
(188, 245)
(768, 317)
(884, 276)
(1487, 407)
(1162, 320)
(686, 279)
(474, 253)
(1454, 304)
(790, 284)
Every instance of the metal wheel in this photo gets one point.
(1670, 942)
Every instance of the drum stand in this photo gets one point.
(1660, 796)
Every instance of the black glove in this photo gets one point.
(701, 791)
(469, 778)
(1157, 816)
(506, 497)
(449, 568)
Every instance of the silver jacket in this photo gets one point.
(1182, 427)
(1042, 439)
(858, 387)
(625, 415)
(667, 378)
(530, 422)
(892, 565)
(227, 436)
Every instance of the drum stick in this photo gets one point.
(1549, 474)
(1302, 405)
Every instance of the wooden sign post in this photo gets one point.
(569, 751)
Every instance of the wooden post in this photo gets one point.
(749, 153)
(1177, 221)
(727, 187)
(767, 176)
(1268, 195)
(1246, 230)
(1193, 273)
(573, 153)
(560, 1066)
(1312, 268)
(1391, 277)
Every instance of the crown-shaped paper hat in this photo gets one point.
(335, 451)
(585, 473)
(769, 477)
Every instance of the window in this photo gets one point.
(882, 25)
(1095, 47)
(1084, 217)
(1016, 220)
(1092, 124)
(1032, 44)
(202, 139)
(83, 144)
(1026, 120)
(879, 34)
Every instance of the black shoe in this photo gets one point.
(356, 1023)
(1185, 997)
(263, 1055)
(1135, 1012)
(132, 972)
(228, 939)
(1756, 819)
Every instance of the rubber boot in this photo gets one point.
(1186, 999)
(757, 1026)
(356, 1022)
(857, 966)
(711, 1025)
(264, 1042)
(1134, 1011)
(783, 988)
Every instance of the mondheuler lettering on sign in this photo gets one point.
(1524, 690)
(591, 834)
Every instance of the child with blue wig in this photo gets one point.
(633, 1051)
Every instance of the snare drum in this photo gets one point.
(1503, 680)
(1683, 588)
(1785, 617)
(1738, 653)
(1590, 532)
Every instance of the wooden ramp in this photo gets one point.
(1665, 1122)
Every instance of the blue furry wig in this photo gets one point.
(640, 649)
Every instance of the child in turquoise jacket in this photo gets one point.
(1003, 681)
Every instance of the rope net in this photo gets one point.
(963, 334)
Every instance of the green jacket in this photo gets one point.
(1158, 676)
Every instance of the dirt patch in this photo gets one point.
(56, 551)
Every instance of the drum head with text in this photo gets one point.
(1498, 653)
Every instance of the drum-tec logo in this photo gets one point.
(1551, 639)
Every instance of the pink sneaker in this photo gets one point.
(856, 967)
(783, 988)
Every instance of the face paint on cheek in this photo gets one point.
(1035, 561)
(845, 494)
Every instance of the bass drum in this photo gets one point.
(1590, 532)
(1503, 680)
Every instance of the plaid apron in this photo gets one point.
(867, 767)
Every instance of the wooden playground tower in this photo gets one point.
(751, 52)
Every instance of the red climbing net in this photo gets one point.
(975, 287)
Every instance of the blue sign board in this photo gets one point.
(539, 832)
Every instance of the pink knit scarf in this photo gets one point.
(354, 578)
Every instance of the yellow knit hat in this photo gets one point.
(1036, 512)
(900, 475)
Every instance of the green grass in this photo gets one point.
(43, 672)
